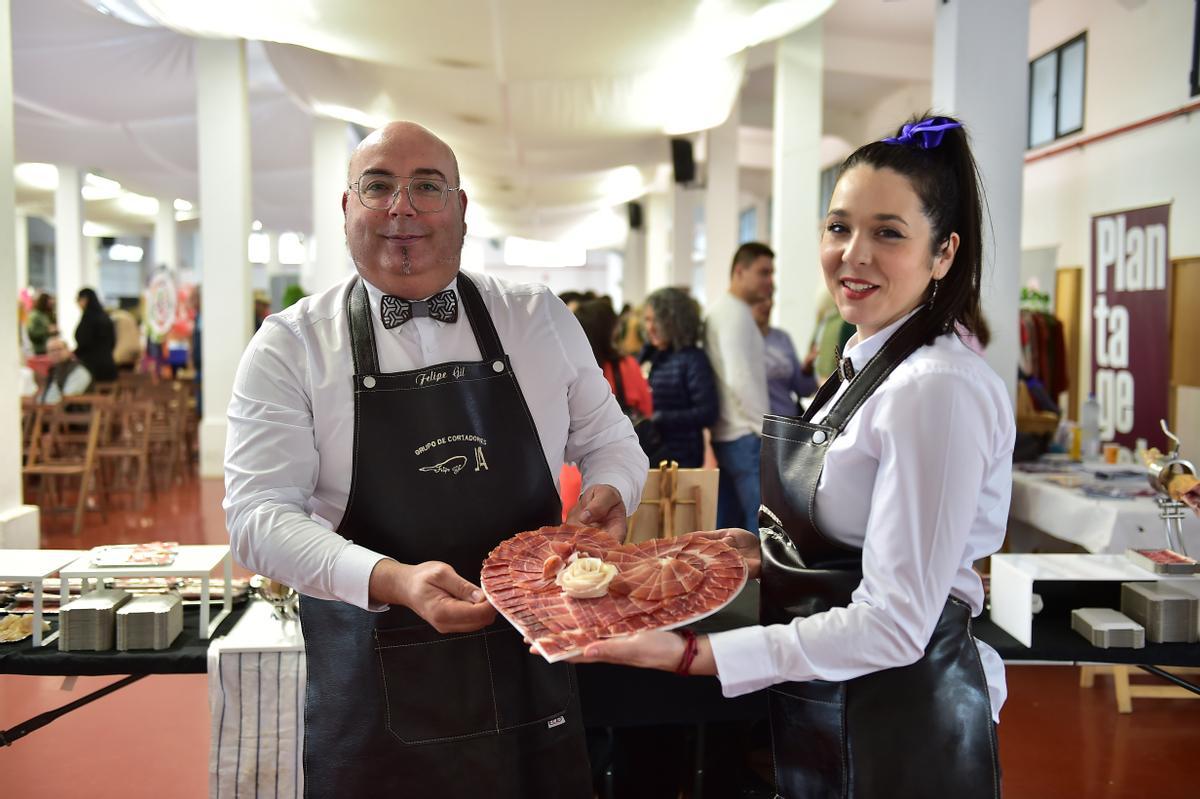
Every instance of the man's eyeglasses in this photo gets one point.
(426, 195)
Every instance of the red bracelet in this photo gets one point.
(690, 648)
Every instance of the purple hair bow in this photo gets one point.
(926, 134)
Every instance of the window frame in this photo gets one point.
(1057, 52)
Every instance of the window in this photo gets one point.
(1056, 82)
(828, 180)
(1194, 75)
(748, 225)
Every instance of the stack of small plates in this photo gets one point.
(149, 622)
(1168, 613)
(88, 624)
(1107, 628)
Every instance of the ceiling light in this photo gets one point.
(256, 226)
(542, 254)
(348, 114)
(258, 248)
(182, 205)
(98, 188)
(138, 204)
(599, 230)
(94, 230)
(37, 176)
(130, 253)
(622, 184)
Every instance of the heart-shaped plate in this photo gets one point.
(659, 585)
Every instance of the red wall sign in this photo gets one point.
(1130, 317)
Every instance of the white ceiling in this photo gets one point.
(556, 108)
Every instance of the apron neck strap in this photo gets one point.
(362, 331)
(907, 339)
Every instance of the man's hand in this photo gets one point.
(600, 506)
(745, 542)
(435, 592)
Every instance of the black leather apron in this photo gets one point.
(923, 730)
(447, 463)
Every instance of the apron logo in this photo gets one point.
(452, 465)
(558, 722)
(480, 461)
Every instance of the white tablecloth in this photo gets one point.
(1097, 525)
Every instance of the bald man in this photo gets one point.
(384, 436)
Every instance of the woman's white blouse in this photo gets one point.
(920, 480)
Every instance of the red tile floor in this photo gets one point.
(151, 738)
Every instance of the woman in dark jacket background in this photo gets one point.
(681, 378)
(95, 338)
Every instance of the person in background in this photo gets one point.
(41, 325)
(787, 378)
(738, 356)
(67, 377)
(829, 338)
(876, 505)
(95, 338)
(681, 378)
(128, 348)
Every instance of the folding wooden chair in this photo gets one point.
(124, 447)
(57, 453)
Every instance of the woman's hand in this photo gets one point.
(745, 542)
(654, 649)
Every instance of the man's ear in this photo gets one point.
(345, 197)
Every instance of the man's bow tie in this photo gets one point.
(442, 306)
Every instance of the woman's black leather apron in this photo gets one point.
(923, 730)
(447, 463)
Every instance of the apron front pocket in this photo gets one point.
(528, 689)
(808, 739)
(437, 687)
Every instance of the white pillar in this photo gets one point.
(224, 150)
(981, 43)
(683, 236)
(166, 241)
(330, 156)
(795, 218)
(721, 201)
(68, 249)
(658, 241)
(18, 522)
(633, 270)
(21, 237)
(90, 275)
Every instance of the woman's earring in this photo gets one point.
(933, 295)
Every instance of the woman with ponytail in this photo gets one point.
(877, 502)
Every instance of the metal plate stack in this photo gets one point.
(1168, 613)
(89, 623)
(1107, 628)
(149, 622)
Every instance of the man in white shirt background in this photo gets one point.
(384, 436)
(737, 352)
(67, 376)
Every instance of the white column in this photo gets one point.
(224, 150)
(21, 237)
(166, 241)
(980, 43)
(330, 157)
(68, 248)
(795, 228)
(633, 270)
(658, 240)
(721, 198)
(18, 522)
(683, 236)
(90, 275)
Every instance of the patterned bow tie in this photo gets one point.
(442, 306)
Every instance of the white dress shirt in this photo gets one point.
(737, 353)
(920, 480)
(288, 454)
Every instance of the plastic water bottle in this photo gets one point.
(1089, 422)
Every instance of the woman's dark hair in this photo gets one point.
(599, 323)
(44, 303)
(91, 303)
(946, 179)
(677, 317)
